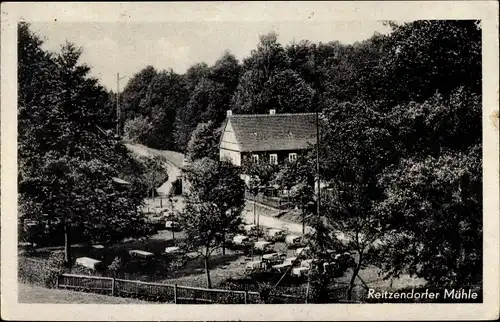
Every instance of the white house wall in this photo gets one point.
(233, 156)
(229, 147)
(228, 140)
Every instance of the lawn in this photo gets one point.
(223, 267)
(230, 266)
(36, 294)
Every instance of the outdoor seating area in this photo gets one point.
(141, 254)
(89, 263)
(280, 254)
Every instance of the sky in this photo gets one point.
(126, 48)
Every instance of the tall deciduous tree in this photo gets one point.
(218, 183)
(65, 155)
(287, 92)
(204, 142)
(434, 194)
(225, 75)
(138, 130)
(258, 70)
(166, 94)
(299, 179)
(135, 91)
(226, 70)
(210, 93)
(268, 58)
(429, 56)
(194, 74)
(436, 202)
(204, 97)
(354, 150)
(202, 223)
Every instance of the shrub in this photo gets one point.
(41, 272)
(115, 265)
(31, 271)
(55, 267)
(229, 299)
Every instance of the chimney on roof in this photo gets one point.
(272, 112)
(229, 112)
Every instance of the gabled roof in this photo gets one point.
(274, 132)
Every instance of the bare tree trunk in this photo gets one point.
(67, 246)
(303, 222)
(224, 241)
(207, 270)
(355, 273)
(224, 235)
(254, 210)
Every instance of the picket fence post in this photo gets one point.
(246, 296)
(175, 293)
(113, 287)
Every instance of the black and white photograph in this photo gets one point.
(244, 162)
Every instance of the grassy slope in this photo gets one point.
(36, 294)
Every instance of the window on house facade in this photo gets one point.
(292, 157)
(273, 158)
(255, 157)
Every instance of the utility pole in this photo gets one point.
(118, 114)
(318, 201)
(118, 111)
(254, 221)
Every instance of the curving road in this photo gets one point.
(268, 221)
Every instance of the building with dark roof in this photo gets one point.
(275, 138)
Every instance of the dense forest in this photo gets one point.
(400, 142)
(67, 155)
(412, 63)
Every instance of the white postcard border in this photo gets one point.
(11, 13)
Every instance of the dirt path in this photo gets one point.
(268, 221)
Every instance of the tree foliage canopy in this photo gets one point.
(400, 142)
(67, 159)
(214, 202)
(404, 160)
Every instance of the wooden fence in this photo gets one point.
(279, 203)
(154, 291)
(172, 293)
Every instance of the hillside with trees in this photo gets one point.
(68, 157)
(400, 141)
(400, 137)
